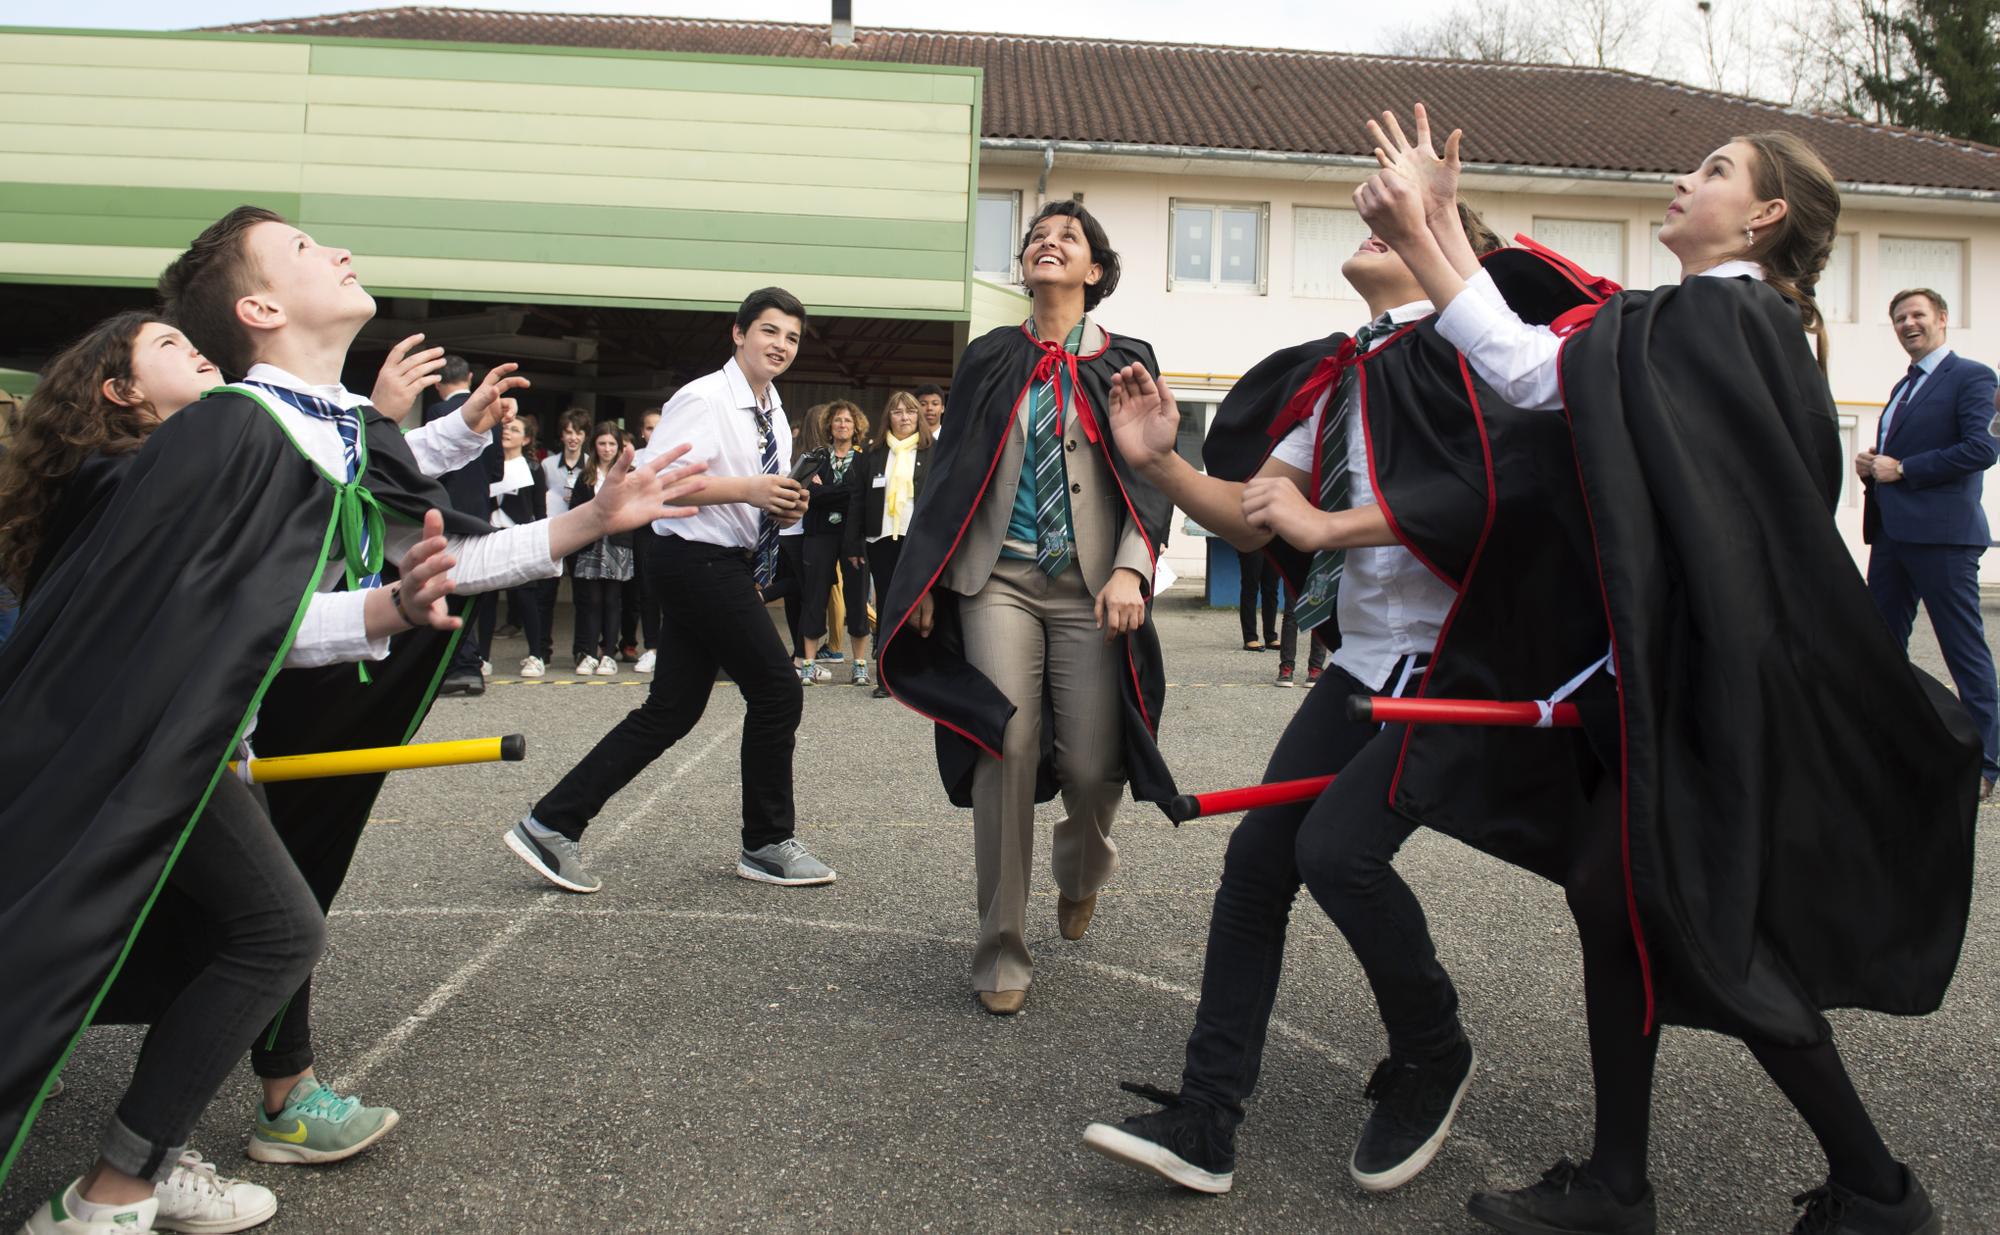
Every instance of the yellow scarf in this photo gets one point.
(902, 483)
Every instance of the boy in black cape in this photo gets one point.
(1029, 580)
(1412, 462)
(246, 510)
(1793, 824)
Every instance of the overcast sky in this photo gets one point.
(1332, 25)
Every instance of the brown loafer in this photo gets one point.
(1074, 916)
(1002, 1003)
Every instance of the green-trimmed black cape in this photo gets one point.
(188, 574)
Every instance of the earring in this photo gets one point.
(1749, 235)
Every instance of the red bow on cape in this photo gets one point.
(1054, 357)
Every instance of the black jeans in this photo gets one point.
(545, 602)
(883, 555)
(822, 554)
(641, 617)
(1340, 847)
(596, 617)
(716, 621)
(477, 614)
(1259, 581)
(524, 605)
(267, 932)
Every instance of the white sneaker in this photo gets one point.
(486, 668)
(586, 666)
(646, 662)
(195, 1198)
(57, 1216)
(607, 667)
(532, 667)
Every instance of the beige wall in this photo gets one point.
(1205, 338)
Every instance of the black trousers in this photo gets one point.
(640, 614)
(883, 555)
(1340, 847)
(545, 603)
(821, 554)
(716, 621)
(1259, 581)
(524, 605)
(477, 613)
(597, 603)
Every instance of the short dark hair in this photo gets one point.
(763, 298)
(199, 290)
(577, 418)
(1937, 301)
(1101, 251)
(1477, 233)
(456, 369)
(928, 389)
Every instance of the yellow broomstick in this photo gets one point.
(511, 749)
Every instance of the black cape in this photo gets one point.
(931, 675)
(107, 772)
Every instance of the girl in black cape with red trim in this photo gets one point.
(1020, 619)
(1773, 747)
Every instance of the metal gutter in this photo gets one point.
(1290, 158)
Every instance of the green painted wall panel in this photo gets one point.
(461, 125)
(496, 173)
(800, 80)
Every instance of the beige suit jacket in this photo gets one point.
(1106, 538)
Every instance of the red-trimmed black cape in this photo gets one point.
(1799, 800)
(1485, 496)
(931, 675)
(109, 762)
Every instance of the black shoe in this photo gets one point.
(1569, 1200)
(880, 692)
(1189, 1143)
(462, 684)
(1833, 1210)
(1414, 1106)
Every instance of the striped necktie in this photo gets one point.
(1316, 601)
(766, 565)
(346, 423)
(1055, 542)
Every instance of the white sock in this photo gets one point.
(539, 832)
(94, 1211)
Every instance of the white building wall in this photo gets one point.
(1206, 338)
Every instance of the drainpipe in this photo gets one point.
(1042, 185)
(842, 34)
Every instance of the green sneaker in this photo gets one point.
(318, 1126)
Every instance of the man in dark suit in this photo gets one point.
(1923, 518)
(468, 489)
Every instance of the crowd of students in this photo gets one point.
(1550, 518)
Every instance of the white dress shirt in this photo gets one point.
(1390, 605)
(560, 478)
(334, 629)
(716, 415)
(1522, 362)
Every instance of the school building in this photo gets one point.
(588, 194)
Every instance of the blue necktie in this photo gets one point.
(766, 567)
(348, 425)
(1910, 380)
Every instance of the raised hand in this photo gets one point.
(1392, 206)
(1435, 175)
(629, 497)
(1144, 421)
(405, 375)
(489, 404)
(424, 578)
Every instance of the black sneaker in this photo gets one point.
(880, 692)
(462, 684)
(1414, 1106)
(1833, 1210)
(1188, 1143)
(1569, 1200)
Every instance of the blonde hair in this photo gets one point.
(1794, 252)
(903, 400)
(827, 410)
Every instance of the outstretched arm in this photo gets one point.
(1435, 175)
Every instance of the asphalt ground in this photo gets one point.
(690, 1051)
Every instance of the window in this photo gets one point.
(1937, 264)
(1597, 246)
(996, 236)
(1835, 292)
(1219, 246)
(1193, 431)
(1666, 267)
(1323, 238)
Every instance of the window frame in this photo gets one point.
(1347, 293)
(1960, 297)
(1012, 197)
(1260, 286)
(1621, 276)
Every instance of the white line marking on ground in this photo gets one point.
(463, 976)
(542, 909)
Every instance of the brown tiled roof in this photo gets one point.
(1251, 99)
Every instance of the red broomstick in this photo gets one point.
(1381, 710)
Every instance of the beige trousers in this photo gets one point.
(1035, 636)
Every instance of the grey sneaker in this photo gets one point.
(788, 863)
(860, 676)
(557, 859)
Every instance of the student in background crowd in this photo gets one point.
(1259, 579)
(642, 596)
(516, 499)
(892, 475)
(599, 569)
(559, 474)
(832, 542)
(808, 435)
(470, 490)
(930, 405)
